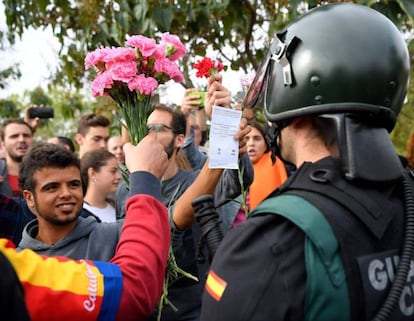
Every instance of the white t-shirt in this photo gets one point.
(106, 214)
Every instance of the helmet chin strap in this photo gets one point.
(272, 136)
(365, 151)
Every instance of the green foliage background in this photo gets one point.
(238, 30)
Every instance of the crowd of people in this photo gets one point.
(318, 224)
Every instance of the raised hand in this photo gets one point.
(217, 94)
(149, 155)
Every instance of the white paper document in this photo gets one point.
(223, 148)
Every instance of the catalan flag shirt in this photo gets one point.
(78, 288)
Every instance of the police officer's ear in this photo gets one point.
(301, 122)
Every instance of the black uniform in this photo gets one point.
(259, 268)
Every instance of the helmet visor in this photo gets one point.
(256, 91)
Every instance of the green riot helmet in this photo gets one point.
(337, 58)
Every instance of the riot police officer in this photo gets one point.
(335, 242)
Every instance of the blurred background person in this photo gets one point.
(93, 133)
(115, 147)
(64, 141)
(269, 171)
(16, 138)
(101, 176)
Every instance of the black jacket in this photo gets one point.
(258, 272)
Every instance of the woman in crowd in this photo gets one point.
(100, 175)
(268, 173)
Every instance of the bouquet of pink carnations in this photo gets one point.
(130, 76)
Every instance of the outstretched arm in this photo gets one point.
(205, 183)
(129, 286)
(142, 258)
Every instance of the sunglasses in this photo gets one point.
(158, 128)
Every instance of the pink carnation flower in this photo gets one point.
(123, 70)
(145, 45)
(246, 80)
(174, 48)
(169, 68)
(177, 75)
(95, 57)
(119, 54)
(101, 82)
(159, 52)
(145, 85)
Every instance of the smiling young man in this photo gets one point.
(126, 288)
(50, 178)
(16, 137)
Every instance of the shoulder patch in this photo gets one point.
(215, 285)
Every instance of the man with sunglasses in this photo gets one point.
(335, 242)
(169, 125)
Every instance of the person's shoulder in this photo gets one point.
(107, 232)
(273, 229)
(85, 213)
(184, 176)
(3, 165)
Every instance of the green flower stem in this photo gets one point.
(174, 273)
(135, 109)
(240, 171)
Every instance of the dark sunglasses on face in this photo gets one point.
(158, 128)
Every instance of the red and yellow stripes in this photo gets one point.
(215, 286)
(57, 287)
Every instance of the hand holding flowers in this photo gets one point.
(217, 94)
(130, 75)
(207, 67)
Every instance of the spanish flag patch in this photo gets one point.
(215, 286)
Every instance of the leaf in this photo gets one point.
(392, 10)
(139, 11)
(408, 7)
(42, 5)
(164, 17)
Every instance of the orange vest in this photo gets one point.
(267, 177)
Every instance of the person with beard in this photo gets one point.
(50, 178)
(170, 126)
(127, 287)
(16, 138)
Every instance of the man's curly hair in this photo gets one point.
(41, 156)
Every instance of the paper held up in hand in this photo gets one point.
(223, 148)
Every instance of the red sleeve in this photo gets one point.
(142, 259)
